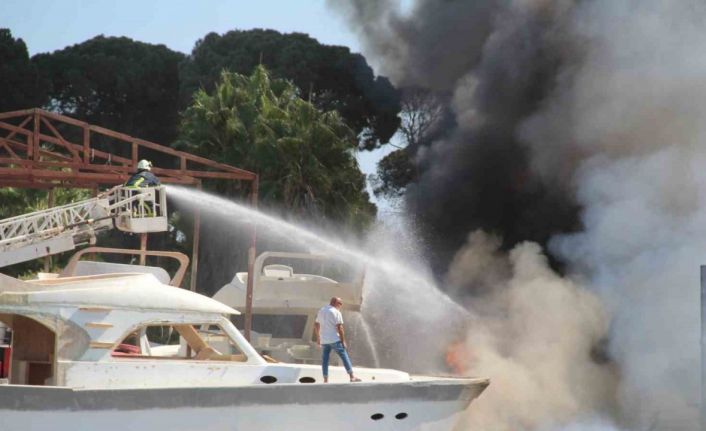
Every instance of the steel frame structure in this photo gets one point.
(45, 150)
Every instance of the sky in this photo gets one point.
(47, 25)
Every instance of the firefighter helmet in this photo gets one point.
(144, 165)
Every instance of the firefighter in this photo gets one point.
(143, 177)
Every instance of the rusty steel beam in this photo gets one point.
(143, 248)
(13, 114)
(21, 127)
(63, 142)
(247, 175)
(195, 246)
(82, 154)
(252, 252)
(78, 165)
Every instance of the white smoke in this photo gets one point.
(534, 339)
(630, 117)
(623, 131)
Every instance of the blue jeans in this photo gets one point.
(338, 347)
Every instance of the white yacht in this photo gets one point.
(125, 351)
(105, 346)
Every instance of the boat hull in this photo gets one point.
(427, 406)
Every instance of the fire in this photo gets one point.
(458, 358)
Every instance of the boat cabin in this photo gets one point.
(288, 291)
(86, 331)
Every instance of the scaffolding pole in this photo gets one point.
(195, 247)
(251, 263)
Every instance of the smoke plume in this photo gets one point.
(536, 336)
(577, 125)
(495, 61)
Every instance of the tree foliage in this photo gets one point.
(118, 83)
(422, 111)
(421, 116)
(394, 172)
(331, 77)
(304, 156)
(21, 86)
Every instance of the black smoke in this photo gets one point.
(495, 62)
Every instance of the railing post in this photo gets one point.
(86, 144)
(134, 154)
(143, 248)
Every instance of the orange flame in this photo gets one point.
(458, 358)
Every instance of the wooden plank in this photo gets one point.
(98, 325)
(100, 345)
(96, 309)
(192, 337)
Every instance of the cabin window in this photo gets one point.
(32, 352)
(278, 325)
(205, 342)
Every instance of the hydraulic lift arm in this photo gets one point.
(58, 229)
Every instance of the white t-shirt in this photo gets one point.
(328, 317)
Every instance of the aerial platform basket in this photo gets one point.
(141, 210)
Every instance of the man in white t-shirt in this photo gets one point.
(330, 336)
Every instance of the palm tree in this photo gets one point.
(305, 157)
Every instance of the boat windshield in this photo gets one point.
(180, 341)
(277, 325)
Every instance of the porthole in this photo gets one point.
(268, 379)
(377, 416)
(307, 380)
(401, 415)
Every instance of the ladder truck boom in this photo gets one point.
(58, 229)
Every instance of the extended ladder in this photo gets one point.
(58, 229)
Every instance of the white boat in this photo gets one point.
(126, 352)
